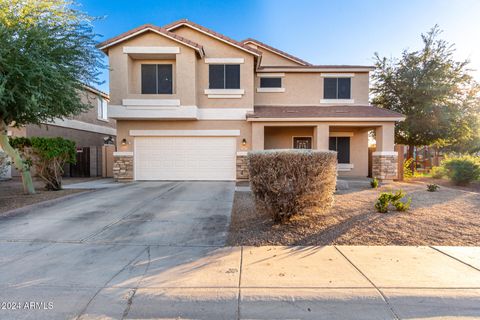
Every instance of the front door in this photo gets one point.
(302, 142)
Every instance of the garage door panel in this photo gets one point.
(185, 158)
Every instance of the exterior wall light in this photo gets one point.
(124, 142)
(244, 142)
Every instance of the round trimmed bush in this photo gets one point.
(290, 182)
(462, 169)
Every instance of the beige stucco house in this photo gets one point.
(190, 103)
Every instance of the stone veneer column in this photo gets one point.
(242, 167)
(384, 165)
(123, 166)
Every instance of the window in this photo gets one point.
(342, 146)
(157, 79)
(102, 109)
(336, 88)
(224, 76)
(270, 82)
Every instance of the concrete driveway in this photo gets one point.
(98, 246)
(155, 251)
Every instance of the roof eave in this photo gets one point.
(289, 57)
(326, 119)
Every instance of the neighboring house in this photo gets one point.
(190, 102)
(89, 129)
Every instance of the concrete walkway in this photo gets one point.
(202, 282)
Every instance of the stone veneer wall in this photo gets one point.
(242, 167)
(384, 167)
(123, 168)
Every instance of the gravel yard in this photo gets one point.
(12, 196)
(450, 216)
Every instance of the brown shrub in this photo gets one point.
(290, 182)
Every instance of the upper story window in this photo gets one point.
(271, 82)
(102, 109)
(157, 79)
(337, 88)
(224, 76)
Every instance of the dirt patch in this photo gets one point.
(447, 217)
(12, 196)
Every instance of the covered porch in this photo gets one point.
(349, 140)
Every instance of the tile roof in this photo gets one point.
(181, 22)
(146, 27)
(283, 53)
(337, 111)
(313, 66)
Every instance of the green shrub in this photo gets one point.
(395, 199)
(438, 172)
(290, 182)
(432, 187)
(407, 170)
(47, 156)
(374, 183)
(462, 169)
(383, 202)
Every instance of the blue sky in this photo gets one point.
(321, 32)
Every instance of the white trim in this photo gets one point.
(224, 60)
(329, 119)
(224, 91)
(344, 167)
(222, 113)
(337, 75)
(123, 154)
(385, 153)
(152, 50)
(184, 133)
(337, 101)
(341, 134)
(83, 126)
(153, 30)
(242, 153)
(270, 89)
(151, 102)
(293, 140)
(213, 36)
(152, 112)
(224, 96)
(277, 53)
(271, 75)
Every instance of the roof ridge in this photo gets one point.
(281, 52)
(180, 22)
(152, 27)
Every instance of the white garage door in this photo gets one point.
(185, 158)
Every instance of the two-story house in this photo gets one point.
(190, 102)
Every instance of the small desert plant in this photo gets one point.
(290, 182)
(407, 170)
(462, 169)
(374, 183)
(395, 199)
(432, 187)
(383, 202)
(438, 172)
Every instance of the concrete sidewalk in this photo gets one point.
(203, 282)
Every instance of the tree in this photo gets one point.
(435, 92)
(47, 54)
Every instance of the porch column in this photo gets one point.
(385, 158)
(322, 134)
(258, 136)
